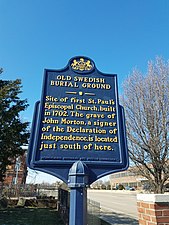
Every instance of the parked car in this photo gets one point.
(127, 188)
(132, 189)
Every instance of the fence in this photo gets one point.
(63, 204)
(28, 190)
(93, 208)
(19, 191)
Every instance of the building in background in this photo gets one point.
(17, 172)
(128, 179)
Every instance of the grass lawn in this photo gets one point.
(29, 216)
(32, 216)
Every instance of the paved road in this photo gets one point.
(116, 207)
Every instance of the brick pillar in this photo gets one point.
(153, 209)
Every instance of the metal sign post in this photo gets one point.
(78, 182)
(78, 130)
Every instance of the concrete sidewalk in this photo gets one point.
(118, 219)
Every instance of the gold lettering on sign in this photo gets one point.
(47, 146)
(80, 82)
(75, 146)
(75, 118)
(64, 84)
(89, 79)
(96, 86)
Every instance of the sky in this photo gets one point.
(118, 35)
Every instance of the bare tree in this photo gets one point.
(146, 102)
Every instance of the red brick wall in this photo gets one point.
(11, 173)
(150, 213)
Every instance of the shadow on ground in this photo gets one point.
(118, 219)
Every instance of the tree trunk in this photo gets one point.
(159, 188)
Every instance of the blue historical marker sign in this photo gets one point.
(78, 119)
